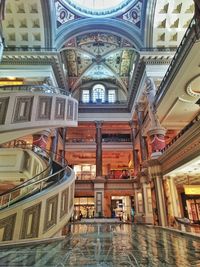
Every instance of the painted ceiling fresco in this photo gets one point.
(99, 56)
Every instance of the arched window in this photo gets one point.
(98, 93)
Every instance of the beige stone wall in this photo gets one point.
(40, 216)
(18, 165)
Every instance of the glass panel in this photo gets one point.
(85, 96)
(98, 93)
(111, 96)
(98, 4)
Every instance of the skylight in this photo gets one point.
(99, 7)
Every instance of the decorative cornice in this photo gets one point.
(138, 78)
(37, 58)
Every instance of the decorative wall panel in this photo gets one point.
(3, 109)
(64, 202)
(23, 108)
(51, 212)
(30, 222)
(44, 108)
(70, 108)
(8, 224)
(60, 108)
(71, 201)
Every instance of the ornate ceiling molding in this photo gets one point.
(28, 58)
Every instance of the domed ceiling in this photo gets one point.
(99, 56)
(98, 7)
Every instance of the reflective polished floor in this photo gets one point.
(108, 245)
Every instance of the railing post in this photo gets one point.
(9, 199)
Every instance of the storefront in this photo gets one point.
(83, 207)
(121, 207)
(191, 202)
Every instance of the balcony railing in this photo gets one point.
(30, 49)
(159, 49)
(44, 88)
(183, 131)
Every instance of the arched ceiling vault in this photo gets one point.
(111, 56)
(99, 56)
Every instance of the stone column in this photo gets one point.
(146, 190)
(54, 143)
(98, 149)
(40, 139)
(99, 197)
(140, 114)
(136, 162)
(156, 131)
(174, 197)
(158, 199)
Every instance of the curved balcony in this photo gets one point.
(29, 109)
(39, 207)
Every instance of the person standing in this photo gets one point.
(132, 214)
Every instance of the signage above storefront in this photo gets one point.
(192, 189)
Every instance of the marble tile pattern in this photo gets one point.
(108, 245)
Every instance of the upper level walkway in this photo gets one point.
(28, 109)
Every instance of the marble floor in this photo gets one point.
(108, 245)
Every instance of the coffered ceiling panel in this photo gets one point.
(171, 20)
(23, 25)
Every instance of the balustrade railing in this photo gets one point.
(185, 129)
(44, 88)
(158, 49)
(30, 49)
